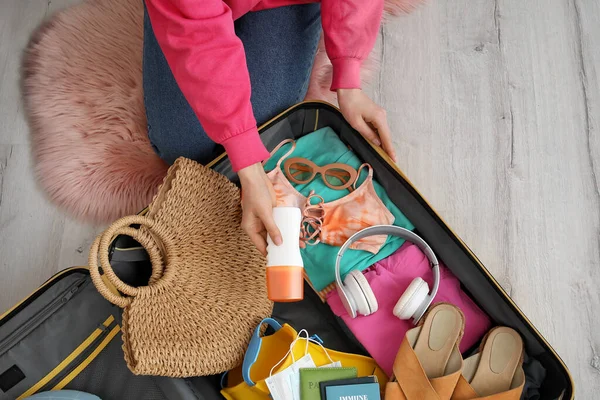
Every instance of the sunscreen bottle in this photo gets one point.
(285, 269)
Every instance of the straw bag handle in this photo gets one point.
(100, 250)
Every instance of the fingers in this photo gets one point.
(257, 227)
(360, 111)
(271, 227)
(383, 129)
(361, 125)
(257, 209)
(255, 233)
(258, 238)
(381, 135)
(267, 219)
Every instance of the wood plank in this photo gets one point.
(18, 19)
(36, 240)
(76, 241)
(25, 257)
(555, 205)
(444, 92)
(487, 104)
(30, 228)
(586, 15)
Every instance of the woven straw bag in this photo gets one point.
(207, 291)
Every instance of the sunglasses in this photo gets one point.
(336, 176)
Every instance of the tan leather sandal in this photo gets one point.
(496, 372)
(429, 364)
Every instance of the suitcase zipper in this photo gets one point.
(82, 360)
(34, 322)
(77, 360)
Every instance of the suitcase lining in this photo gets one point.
(77, 360)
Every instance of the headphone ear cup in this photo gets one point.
(360, 290)
(412, 298)
(347, 300)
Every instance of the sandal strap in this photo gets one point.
(445, 385)
(464, 391)
(411, 382)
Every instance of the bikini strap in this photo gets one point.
(286, 155)
(365, 165)
(312, 216)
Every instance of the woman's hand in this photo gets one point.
(366, 117)
(258, 200)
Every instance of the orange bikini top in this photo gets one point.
(334, 222)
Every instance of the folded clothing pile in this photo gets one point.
(382, 331)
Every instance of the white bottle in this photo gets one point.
(285, 269)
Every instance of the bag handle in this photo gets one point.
(148, 239)
(254, 348)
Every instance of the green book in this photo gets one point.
(311, 377)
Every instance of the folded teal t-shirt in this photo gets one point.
(324, 147)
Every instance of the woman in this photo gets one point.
(213, 68)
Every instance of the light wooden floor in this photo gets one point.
(495, 106)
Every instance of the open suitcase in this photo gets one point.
(65, 335)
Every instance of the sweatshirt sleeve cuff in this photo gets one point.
(346, 73)
(245, 149)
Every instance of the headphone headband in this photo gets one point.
(406, 235)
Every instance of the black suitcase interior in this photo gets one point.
(65, 335)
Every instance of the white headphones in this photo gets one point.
(358, 297)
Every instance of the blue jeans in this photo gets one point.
(280, 46)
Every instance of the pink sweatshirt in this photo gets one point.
(209, 64)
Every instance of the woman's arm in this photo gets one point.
(209, 64)
(351, 28)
